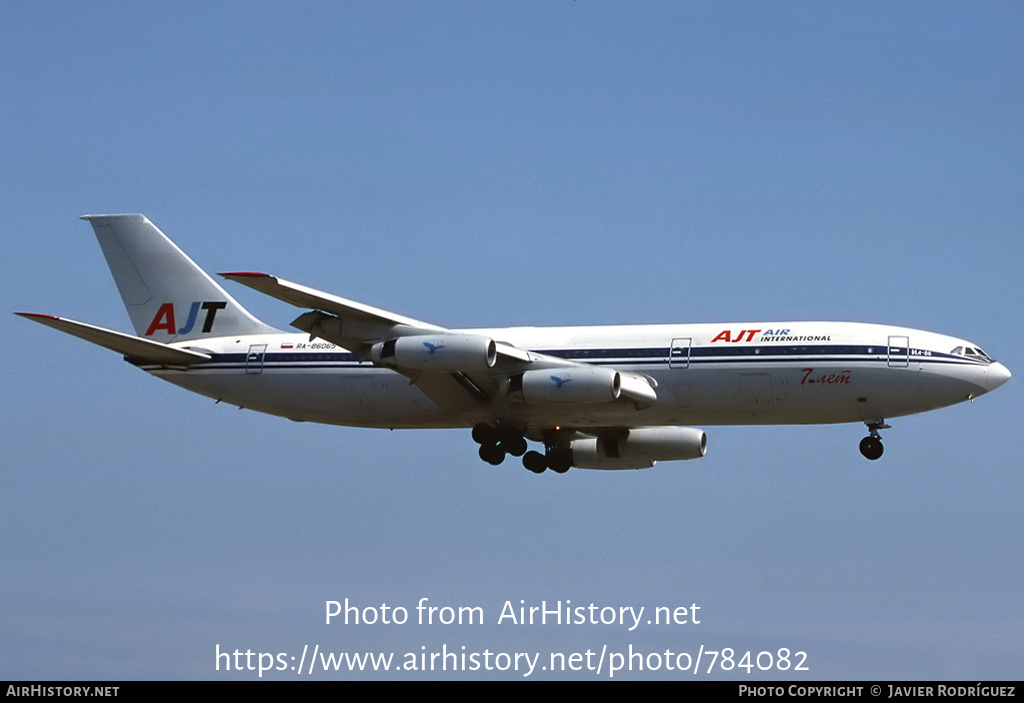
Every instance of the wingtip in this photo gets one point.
(244, 274)
(36, 315)
(90, 218)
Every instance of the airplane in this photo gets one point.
(598, 397)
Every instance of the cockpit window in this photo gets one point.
(972, 352)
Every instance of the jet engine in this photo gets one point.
(445, 353)
(582, 384)
(638, 448)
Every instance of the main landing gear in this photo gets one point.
(871, 446)
(498, 441)
(558, 459)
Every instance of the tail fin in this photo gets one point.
(167, 296)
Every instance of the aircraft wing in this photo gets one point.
(356, 326)
(135, 349)
(379, 335)
(365, 317)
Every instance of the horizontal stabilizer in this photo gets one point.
(135, 349)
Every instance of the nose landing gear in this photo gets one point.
(871, 446)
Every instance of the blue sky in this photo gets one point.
(490, 164)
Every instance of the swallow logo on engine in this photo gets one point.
(433, 348)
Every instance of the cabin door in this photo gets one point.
(679, 353)
(254, 359)
(899, 351)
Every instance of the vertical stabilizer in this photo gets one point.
(167, 296)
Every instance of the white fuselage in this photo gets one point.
(704, 374)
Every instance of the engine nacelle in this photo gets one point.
(445, 353)
(575, 385)
(639, 448)
(587, 454)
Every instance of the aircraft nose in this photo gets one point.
(997, 376)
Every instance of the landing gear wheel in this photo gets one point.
(492, 454)
(484, 434)
(871, 447)
(559, 460)
(535, 462)
(516, 446)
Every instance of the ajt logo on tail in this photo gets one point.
(164, 318)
